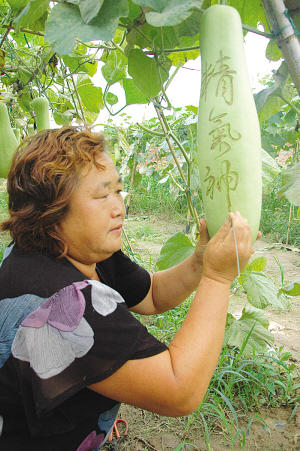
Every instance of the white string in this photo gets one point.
(237, 252)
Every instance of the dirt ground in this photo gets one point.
(149, 432)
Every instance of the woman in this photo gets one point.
(70, 350)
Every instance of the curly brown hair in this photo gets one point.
(45, 171)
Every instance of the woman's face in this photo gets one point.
(93, 225)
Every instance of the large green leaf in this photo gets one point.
(144, 72)
(132, 94)
(17, 5)
(169, 12)
(237, 330)
(31, 15)
(65, 25)
(257, 264)
(268, 101)
(114, 69)
(261, 291)
(291, 289)
(270, 168)
(291, 185)
(88, 8)
(169, 37)
(174, 251)
(91, 95)
(250, 11)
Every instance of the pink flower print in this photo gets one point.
(91, 442)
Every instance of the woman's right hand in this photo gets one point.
(220, 257)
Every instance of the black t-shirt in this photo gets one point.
(59, 333)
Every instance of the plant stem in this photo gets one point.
(152, 132)
(127, 240)
(23, 30)
(167, 133)
(179, 65)
(289, 225)
(74, 102)
(78, 98)
(4, 36)
(282, 96)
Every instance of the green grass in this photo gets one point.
(240, 384)
(275, 217)
(152, 198)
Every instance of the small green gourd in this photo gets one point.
(8, 142)
(117, 152)
(143, 170)
(229, 142)
(40, 106)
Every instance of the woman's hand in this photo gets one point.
(220, 257)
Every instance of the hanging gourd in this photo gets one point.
(229, 140)
(8, 142)
(40, 107)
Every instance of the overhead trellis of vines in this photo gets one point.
(55, 48)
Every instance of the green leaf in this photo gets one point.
(113, 73)
(268, 101)
(169, 37)
(174, 251)
(273, 52)
(291, 185)
(88, 8)
(24, 75)
(270, 168)
(76, 64)
(250, 11)
(261, 292)
(257, 264)
(291, 289)
(17, 5)
(91, 96)
(111, 98)
(65, 25)
(170, 12)
(144, 72)
(236, 331)
(31, 15)
(132, 94)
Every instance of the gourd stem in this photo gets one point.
(23, 30)
(72, 95)
(174, 137)
(127, 240)
(4, 37)
(179, 65)
(169, 106)
(78, 98)
(152, 132)
(167, 133)
(294, 108)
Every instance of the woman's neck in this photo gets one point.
(87, 270)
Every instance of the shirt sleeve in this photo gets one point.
(79, 336)
(125, 276)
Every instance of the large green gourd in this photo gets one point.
(229, 139)
(41, 108)
(8, 142)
